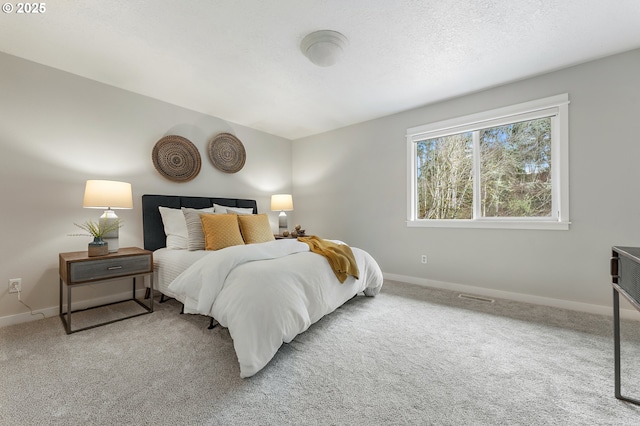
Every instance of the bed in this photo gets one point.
(265, 291)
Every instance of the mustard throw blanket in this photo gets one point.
(340, 256)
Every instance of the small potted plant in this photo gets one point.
(98, 247)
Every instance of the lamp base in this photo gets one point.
(113, 244)
(111, 238)
(282, 222)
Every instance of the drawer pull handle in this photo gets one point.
(112, 268)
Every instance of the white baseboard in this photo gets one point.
(631, 314)
(480, 291)
(54, 311)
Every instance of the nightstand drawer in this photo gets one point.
(108, 268)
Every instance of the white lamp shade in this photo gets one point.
(282, 202)
(107, 194)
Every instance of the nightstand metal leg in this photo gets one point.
(151, 292)
(149, 305)
(68, 309)
(65, 317)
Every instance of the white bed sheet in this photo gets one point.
(169, 263)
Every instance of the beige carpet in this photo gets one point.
(411, 355)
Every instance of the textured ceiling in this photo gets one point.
(240, 60)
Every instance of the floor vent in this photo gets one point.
(476, 298)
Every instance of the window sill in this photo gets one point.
(490, 224)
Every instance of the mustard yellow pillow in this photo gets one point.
(220, 231)
(255, 228)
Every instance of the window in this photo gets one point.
(505, 168)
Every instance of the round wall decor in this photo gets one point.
(227, 153)
(176, 158)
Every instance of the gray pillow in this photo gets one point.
(195, 234)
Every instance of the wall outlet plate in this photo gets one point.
(15, 285)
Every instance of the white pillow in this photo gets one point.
(175, 227)
(237, 210)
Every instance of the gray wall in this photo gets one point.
(351, 184)
(57, 130)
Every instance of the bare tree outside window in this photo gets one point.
(445, 177)
(515, 172)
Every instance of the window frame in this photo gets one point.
(556, 107)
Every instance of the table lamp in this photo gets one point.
(108, 195)
(282, 203)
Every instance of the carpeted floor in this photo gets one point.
(411, 355)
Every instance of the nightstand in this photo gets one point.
(78, 269)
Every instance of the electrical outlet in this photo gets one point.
(423, 259)
(15, 285)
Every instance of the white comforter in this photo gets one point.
(268, 293)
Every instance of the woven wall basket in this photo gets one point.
(227, 153)
(176, 158)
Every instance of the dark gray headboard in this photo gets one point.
(154, 236)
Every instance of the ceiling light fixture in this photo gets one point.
(324, 47)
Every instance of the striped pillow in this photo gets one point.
(195, 236)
